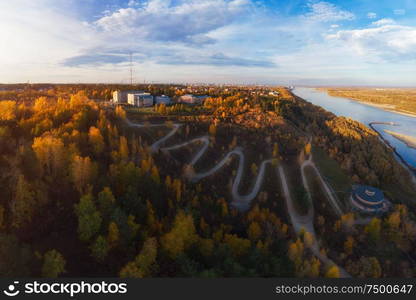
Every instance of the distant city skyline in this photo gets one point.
(298, 42)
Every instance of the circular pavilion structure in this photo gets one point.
(370, 200)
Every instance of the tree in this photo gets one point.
(315, 266)
(113, 234)
(349, 245)
(82, 172)
(181, 236)
(296, 250)
(120, 112)
(96, 140)
(7, 110)
(254, 169)
(78, 100)
(16, 257)
(53, 264)
(370, 267)
(308, 148)
(373, 229)
(41, 105)
(238, 246)
(123, 148)
(106, 201)
(161, 108)
(223, 207)
(254, 231)
(23, 204)
(212, 130)
(143, 263)
(99, 248)
(89, 218)
(2, 225)
(133, 226)
(155, 175)
(308, 239)
(333, 272)
(51, 154)
(206, 247)
(275, 150)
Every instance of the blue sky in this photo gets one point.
(354, 42)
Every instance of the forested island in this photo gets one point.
(90, 188)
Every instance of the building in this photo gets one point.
(140, 99)
(163, 100)
(120, 97)
(192, 99)
(367, 199)
(274, 93)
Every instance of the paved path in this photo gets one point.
(304, 223)
(330, 196)
(242, 202)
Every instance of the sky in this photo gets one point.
(289, 42)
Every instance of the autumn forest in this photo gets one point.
(91, 188)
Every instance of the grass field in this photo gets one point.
(332, 173)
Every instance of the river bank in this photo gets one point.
(366, 114)
(410, 141)
(386, 107)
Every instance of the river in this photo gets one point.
(366, 114)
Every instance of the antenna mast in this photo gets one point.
(131, 68)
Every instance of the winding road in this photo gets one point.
(301, 223)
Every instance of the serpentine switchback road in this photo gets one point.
(242, 202)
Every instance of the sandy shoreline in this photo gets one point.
(410, 141)
(386, 107)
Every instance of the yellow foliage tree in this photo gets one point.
(142, 265)
(254, 231)
(51, 153)
(123, 148)
(78, 100)
(239, 246)
(308, 148)
(120, 112)
(113, 234)
(82, 172)
(333, 272)
(182, 235)
(349, 245)
(41, 105)
(254, 169)
(7, 110)
(212, 129)
(96, 140)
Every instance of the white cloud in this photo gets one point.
(389, 42)
(371, 15)
(327, 12)
(159, 20)
(36, 36)
(382, 22)
(200, 40)
(399, 12)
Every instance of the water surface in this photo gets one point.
(366, 114)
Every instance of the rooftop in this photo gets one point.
(368, 194)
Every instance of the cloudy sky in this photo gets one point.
(333, 42)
